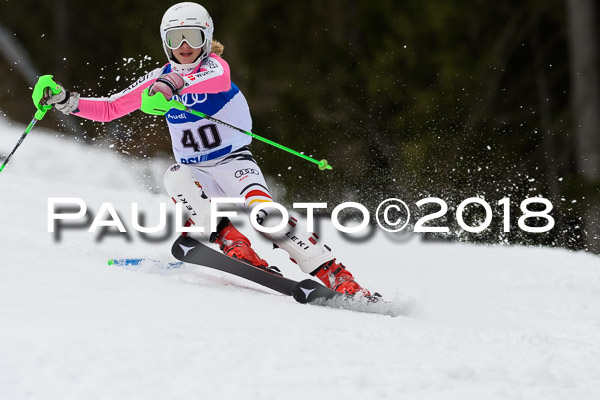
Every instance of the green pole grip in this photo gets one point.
(44, 82)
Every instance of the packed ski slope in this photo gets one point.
(477, 322)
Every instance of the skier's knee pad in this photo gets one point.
(302, 246)
(184, 189)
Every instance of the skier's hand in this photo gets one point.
(64, 101)
(167, 84)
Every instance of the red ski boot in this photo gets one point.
(335, 276)
(235, 245)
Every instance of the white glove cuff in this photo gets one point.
(70, 104)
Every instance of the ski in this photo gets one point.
(309, 291)
(192, 251)
(134, 263)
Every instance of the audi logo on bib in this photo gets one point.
(191, 99)
(241, 172)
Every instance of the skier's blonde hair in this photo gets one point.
(217, 47)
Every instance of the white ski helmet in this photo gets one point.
(188, 22)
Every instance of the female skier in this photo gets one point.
(211, 160)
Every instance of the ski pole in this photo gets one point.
(159, 105)
(38, 92)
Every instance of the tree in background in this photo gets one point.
(585, 81)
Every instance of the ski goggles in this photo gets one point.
(194, 37)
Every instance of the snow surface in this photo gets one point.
(477, 322)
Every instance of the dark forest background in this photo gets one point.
(406, 99)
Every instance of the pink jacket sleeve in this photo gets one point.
(212, 76)
(106, 109)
